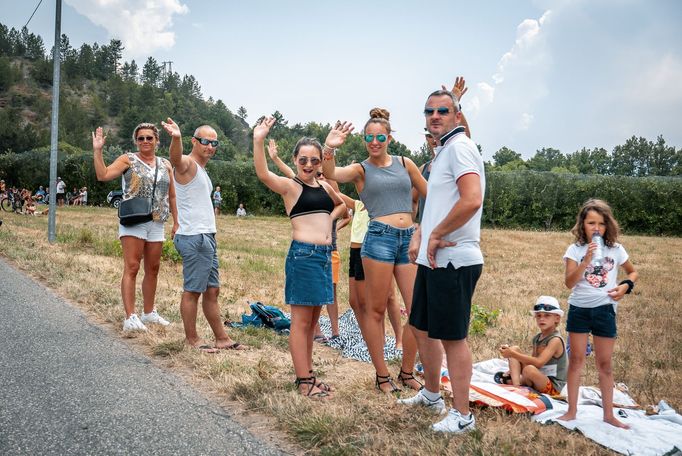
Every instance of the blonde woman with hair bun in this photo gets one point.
(384, 183)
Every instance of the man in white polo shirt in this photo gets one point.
(195, 239)
(446, 249)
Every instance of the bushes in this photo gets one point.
(522, 199)
(545, 200)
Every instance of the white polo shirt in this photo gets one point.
(457, 157)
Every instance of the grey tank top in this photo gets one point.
(555, 369)
(387, 190)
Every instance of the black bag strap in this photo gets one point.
(156, 173)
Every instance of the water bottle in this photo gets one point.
(598, 254)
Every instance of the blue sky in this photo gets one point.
(563, 74)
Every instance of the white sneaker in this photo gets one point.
(133, 323)
(154, 317)
(437, 407)
(455, 423)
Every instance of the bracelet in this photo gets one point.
(629, 283)
(332, 149)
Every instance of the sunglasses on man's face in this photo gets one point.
(304, 161)
(442, 111)
(206, 142)
(380, 138)
(543, 308)
(145, 138)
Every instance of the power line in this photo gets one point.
(34, 11)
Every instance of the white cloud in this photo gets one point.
(521, 72)
(525, 121)
(142, 25)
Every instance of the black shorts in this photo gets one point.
(60, 196)
(355, 269)
(600, 321)
(441, 302)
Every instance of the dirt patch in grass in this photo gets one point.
(85, 267)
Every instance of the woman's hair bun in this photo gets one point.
(379, 113)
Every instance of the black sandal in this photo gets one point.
(503, 378)
(321, 385)
(310, 381)
(404, 377)
(389, 380)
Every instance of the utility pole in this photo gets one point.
(52, 217)
(169, 71)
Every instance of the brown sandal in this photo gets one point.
(404, 377)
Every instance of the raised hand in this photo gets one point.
(338, 134)
(459, 89)
(171, 128)
(98, 139)
(262, 128)
(272, 149)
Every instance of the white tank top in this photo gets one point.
(195, 208)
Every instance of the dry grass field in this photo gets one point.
(85, 266)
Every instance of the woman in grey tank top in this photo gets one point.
(384, 183)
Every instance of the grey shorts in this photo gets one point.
(199, 261)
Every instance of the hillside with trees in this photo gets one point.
(99, 88)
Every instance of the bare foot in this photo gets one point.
(613, 421)
(567, 417)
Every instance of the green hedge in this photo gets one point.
(550, 201)
(525, 199)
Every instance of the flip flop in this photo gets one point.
(205, 348)
(234, 346)
(320, 339)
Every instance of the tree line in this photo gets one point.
(99, 88)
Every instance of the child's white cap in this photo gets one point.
(547, 304)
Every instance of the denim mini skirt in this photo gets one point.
(308, 271)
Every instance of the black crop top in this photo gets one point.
(312, 200)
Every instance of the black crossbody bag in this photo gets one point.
(138, 210)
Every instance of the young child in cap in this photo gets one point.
(545, 369)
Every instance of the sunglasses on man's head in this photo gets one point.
(543, 308)
(442, 111)
(380, 138)
(304, 161)
(145, 138)
(206, 142)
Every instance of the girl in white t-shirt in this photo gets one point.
(593, 300)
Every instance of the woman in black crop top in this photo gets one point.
(311, 206)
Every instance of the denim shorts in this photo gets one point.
(600, 321)
(387, 243)
(199, 254)
(308, 270)
(151, 231)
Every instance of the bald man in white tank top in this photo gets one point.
(195, 239)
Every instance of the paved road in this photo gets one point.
(68, 386)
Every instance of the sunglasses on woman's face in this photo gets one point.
(206, 142)
(145, 138)
(304, 161)
(380, 138)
